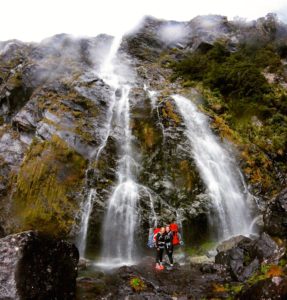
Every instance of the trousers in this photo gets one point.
(169, 252)
(159, 255)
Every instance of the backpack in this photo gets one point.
(152, 237)
(176, 238)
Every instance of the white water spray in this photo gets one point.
(217, 170)
(122, 214)
(107, 74)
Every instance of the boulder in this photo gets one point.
(34, 266)
(275, 217)
(243, 257)
(230, 243)
(264, 248)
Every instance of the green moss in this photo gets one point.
(201, 249)
(233, 289)
(49, 175)
(186, 175)
(265, 271)
(137, 284)
(169, 114)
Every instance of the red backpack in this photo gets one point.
(174, 228)
(155, 232)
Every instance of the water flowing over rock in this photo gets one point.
(218, 171)
(118, 245)
(33, 266)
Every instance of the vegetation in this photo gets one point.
(50, 173)
(137, 284)
(245, 97)
(266, 271)
(201, 249)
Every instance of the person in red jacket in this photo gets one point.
(160, 246)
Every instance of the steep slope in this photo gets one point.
(54, 109)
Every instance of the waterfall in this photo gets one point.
(218, 171)
(121, 217)
(107, 74)
(84, 225)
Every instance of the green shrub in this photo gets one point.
(137, 284)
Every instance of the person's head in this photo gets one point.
(167, 229)
(162, 230)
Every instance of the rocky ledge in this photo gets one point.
(244, 268)
(34, 266)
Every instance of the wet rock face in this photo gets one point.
(243, 255)
(51, 89)
(34, 266)
(275, 217)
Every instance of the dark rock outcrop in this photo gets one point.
(275, 217)
(34, 266)
(245, 256)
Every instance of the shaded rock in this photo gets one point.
(234, 260)
(271, 288)
(34, 266)
(275, 217)
(28, 117)
(245, 256)
(265, 248)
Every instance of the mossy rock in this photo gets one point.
(46, 186)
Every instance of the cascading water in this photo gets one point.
(217, 170)
(107, 74)
(121, 218)
(86, 213)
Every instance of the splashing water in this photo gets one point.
(121, 218)
(107, 74)
(218, 172)
(86, 213)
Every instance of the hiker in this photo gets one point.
(160, 246)
(169, 244)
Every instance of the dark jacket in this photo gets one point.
(168, 240)
(160, 240)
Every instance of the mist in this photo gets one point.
(32, 20)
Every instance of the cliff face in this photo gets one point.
(53, 109)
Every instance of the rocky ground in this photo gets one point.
(243, 269)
